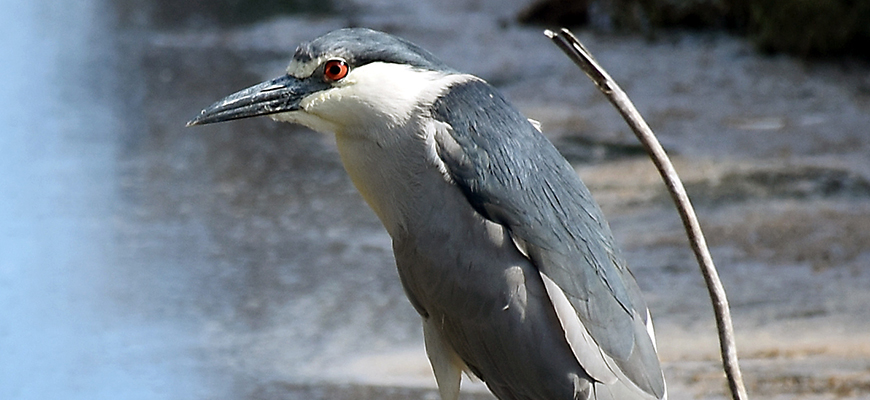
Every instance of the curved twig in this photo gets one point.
(575, 50)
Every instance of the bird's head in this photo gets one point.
(347, 80)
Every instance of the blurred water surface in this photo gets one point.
(143, 260)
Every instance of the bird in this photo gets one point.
(498, 244)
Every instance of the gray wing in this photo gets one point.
(511, 174)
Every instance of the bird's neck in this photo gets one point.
(384, 173)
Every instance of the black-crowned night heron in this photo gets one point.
(498, 243)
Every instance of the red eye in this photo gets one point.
(335, 70)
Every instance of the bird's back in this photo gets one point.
(461, 263)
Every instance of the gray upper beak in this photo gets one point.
(277, 95)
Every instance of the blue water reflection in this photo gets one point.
(143, 260)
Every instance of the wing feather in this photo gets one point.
(512, 175)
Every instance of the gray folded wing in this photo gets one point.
(512, 175)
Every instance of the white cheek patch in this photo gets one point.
(380, 92)
(312, 101)
(370, 100)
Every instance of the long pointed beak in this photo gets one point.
(275, 96)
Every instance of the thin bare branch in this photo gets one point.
(578, 53)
